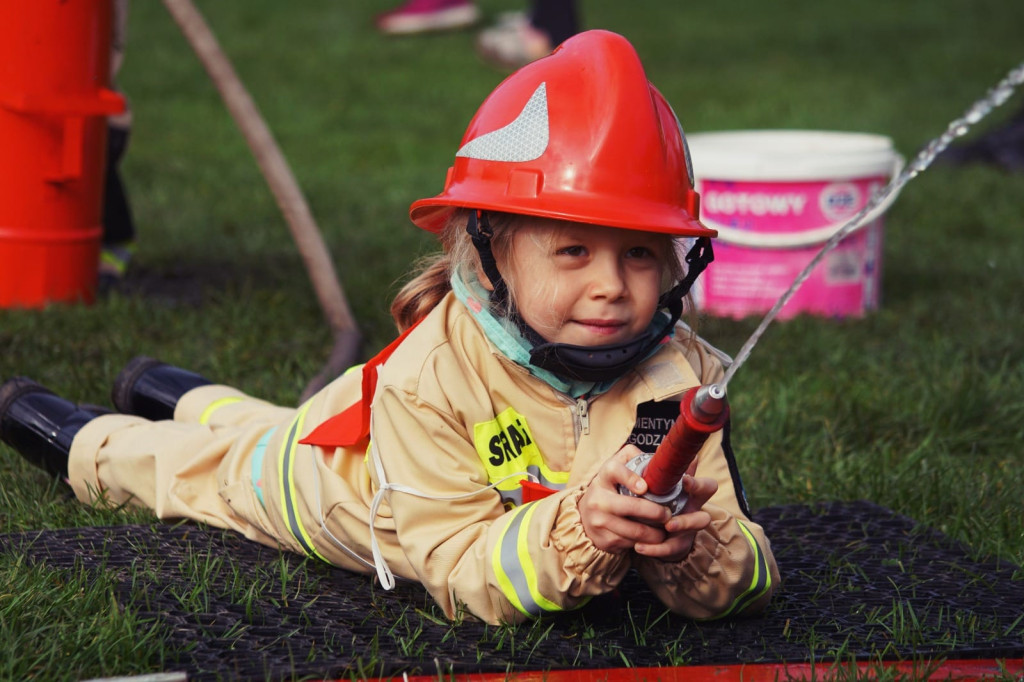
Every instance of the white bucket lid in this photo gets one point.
(790, 155)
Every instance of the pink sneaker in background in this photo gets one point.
(512, 42)
(420, 16)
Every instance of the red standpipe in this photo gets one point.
(702, 411)
(54, 99)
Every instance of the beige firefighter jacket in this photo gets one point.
(452, 415)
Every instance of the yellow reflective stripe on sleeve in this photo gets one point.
(529, 570)
(289, 495)
(759, 584)
(514, 569)
(504, 581)
(204, 418)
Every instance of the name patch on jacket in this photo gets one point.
(653, 421)
(506, 447)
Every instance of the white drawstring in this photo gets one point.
(384, 574)
(323, 522)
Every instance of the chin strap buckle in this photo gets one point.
(697, 259)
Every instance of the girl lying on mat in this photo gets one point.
(483, 452)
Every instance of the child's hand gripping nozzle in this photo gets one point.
(702, 411)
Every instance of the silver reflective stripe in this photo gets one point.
(509, 553)
(515, 495)
(536, 471)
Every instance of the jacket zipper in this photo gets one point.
(581, 417)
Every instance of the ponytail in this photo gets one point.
(419, 296)
(433, 276)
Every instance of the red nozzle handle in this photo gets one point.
(702, 411)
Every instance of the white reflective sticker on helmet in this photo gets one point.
(524, 139)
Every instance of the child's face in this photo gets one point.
(585, 285)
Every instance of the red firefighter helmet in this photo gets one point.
(579, 135)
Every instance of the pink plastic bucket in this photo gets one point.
(776, 197)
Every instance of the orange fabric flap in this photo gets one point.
(344, 429)
(352, 425)
(534, 491)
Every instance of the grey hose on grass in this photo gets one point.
(283, 185)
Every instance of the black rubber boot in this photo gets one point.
(151, 389)
(39, 424)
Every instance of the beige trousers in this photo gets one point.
(197, 466)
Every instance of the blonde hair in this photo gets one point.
(431, 279)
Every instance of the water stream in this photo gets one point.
(957, 128)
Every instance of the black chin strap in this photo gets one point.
(697, 260)
(479, 230)
(588, 363)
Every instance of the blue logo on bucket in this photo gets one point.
(839, 200)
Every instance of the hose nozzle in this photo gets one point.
(702, 411)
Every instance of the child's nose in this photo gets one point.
(608, 278)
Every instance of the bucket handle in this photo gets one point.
(819, 235)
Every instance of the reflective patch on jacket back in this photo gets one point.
(506, 448)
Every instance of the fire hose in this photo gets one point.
(285, 188)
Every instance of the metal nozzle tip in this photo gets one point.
(708, 403)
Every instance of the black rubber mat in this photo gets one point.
(858, 582)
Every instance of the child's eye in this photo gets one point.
(640, 252)
(574, 250)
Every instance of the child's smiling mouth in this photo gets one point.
(601, 327)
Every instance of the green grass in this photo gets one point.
(919, 406)
(53, 624)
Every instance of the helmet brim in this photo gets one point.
(432, 214)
